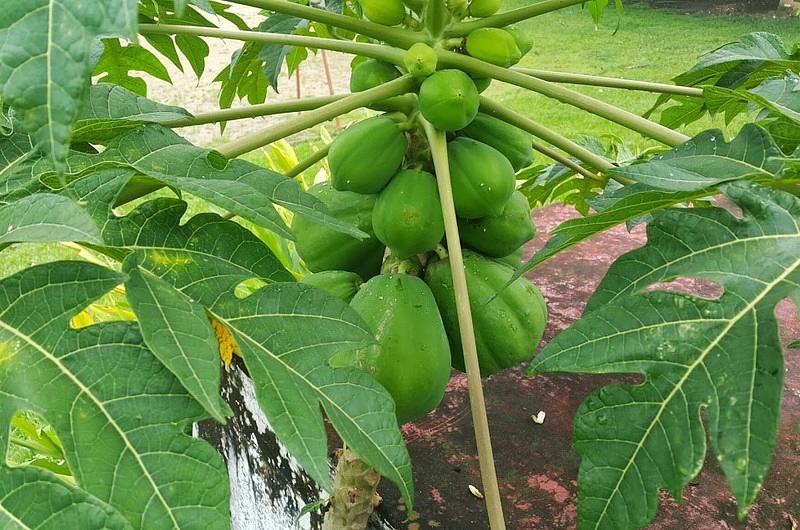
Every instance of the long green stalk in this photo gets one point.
(548, 135)
(394, 36)
(253, 111)
(611, 82)
(491, 490)
(509, 17)
(576, 99)
(308, 162)
(311, 118)
(375, 51)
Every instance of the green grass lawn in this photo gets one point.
(650, 45)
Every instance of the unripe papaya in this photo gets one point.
(324, 249)
(407, 217)
(420, 60)
(458, 8)
(340, 284)
(513, 259)
(411, 358)
(372, 73)
(484, 8)
(386, 12)
(482, 178)
(500, 235)
(367, 155)
(449, 100)
(494, 45)
(507, 329)
(513, 142)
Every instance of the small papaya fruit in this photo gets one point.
(407, 217)
(484, 8)
(500, 235)
(458, 8)
(507, 329)
(412, 357)
(372, 73)
(449, 100)
(386, 12)
(367, 155)
(324, 249)
(513, 259)
(420, 60)
(513, 142)
(340, 284)
(494, 45)
(482, 178)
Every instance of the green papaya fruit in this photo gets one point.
(386, 12)
(508, 328)
(407, 217)
(372, 73)
(500, 235)
(340, 284)
(513, 142)
(324, 249)
(449, 100)
(482, 178)
(411, 358)
(367, 155)
(458, 8)
(523, 40)
(494, 45)
(484, 8)
(420, 60)
(513, 259)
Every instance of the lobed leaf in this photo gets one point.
(43, 218)
(722, 356)
(45, 81)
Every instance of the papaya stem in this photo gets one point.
(441, 251)
(253, 111)
(605, 110)
(611, 82)
(507, 18)
(311, 118)
(540, 131)
(308, 162)
(394, 36)
(354, 496)
(563, 160)
(374, 51)
(438, 144)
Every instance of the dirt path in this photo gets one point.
(201, 95)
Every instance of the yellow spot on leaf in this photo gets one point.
(227, 344)
(170, 259)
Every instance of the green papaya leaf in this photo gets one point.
(111, 110)
(117, 62)
(17, 156)
(240, 187)
(195, 50)
(44, 217)
(46, 80)
(289, 364)
(719, 356)
(120, 415)
(636, 202)
(36, 500)
(176, 330)
(707, 160)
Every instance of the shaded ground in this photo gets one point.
(536, 464)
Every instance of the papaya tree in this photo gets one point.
(349, 300)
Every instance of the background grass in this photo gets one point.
(649, 45)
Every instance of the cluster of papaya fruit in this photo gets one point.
(399, 279)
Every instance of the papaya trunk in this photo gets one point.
(355, 494)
